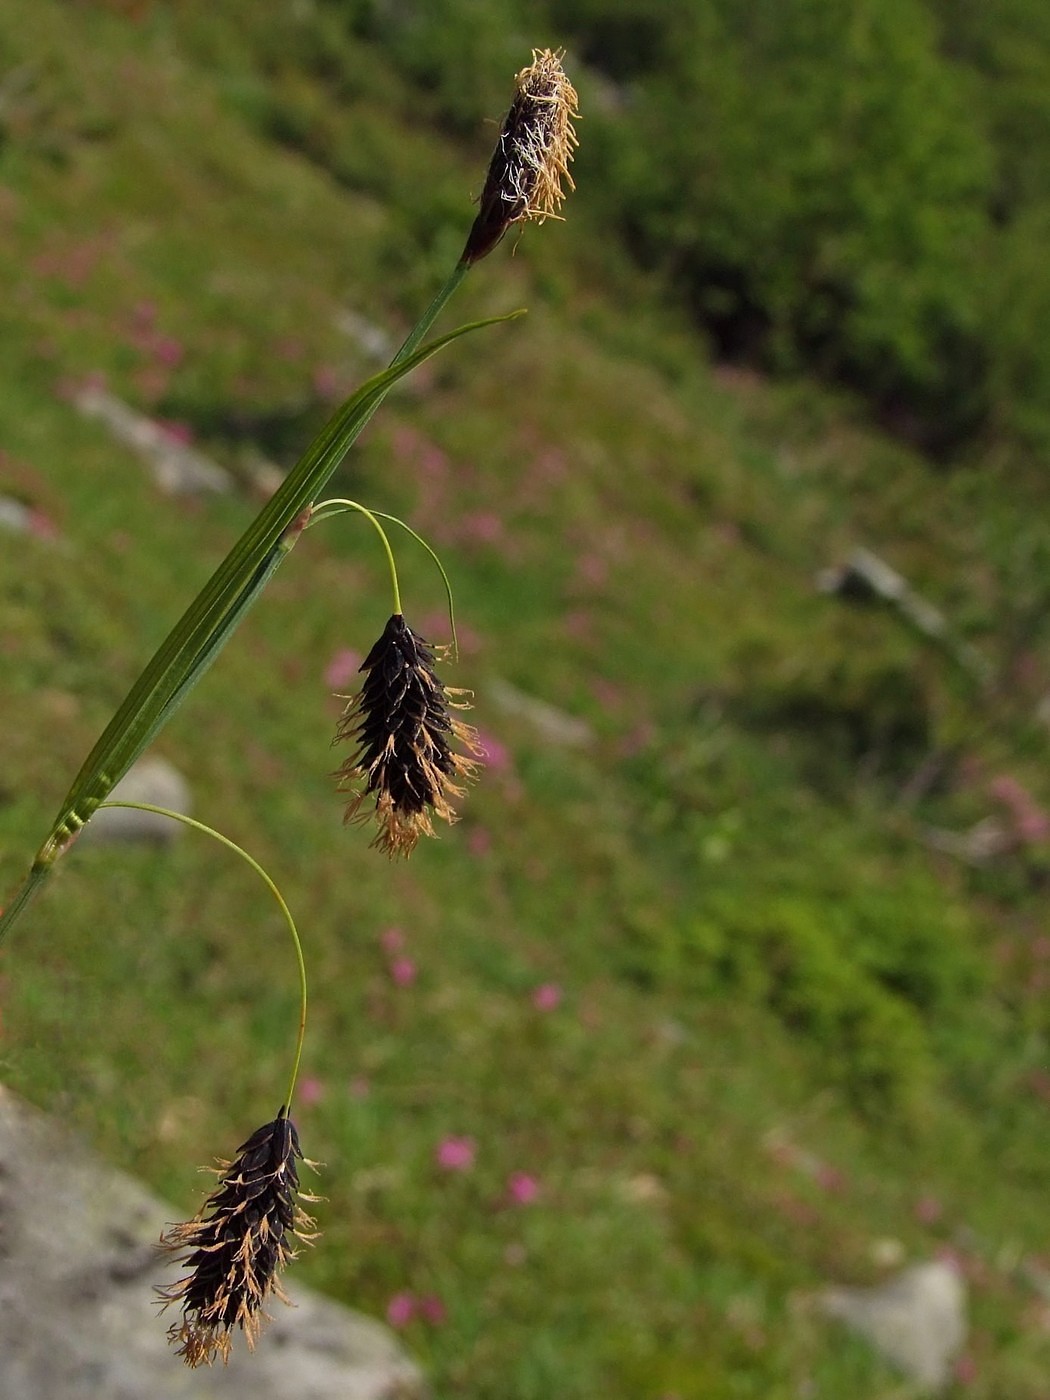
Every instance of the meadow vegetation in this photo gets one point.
(695, 1009)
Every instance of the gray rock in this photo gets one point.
(554, 726)
(153, 780)
(375, 342)
(917, 1320)
(77, 1317)
(22, 519)
(177, 469)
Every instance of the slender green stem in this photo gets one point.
(296, 942)
(322, 512)
(382, 514)
(213, 616)
(432, 312)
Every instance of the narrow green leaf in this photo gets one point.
(211, 619)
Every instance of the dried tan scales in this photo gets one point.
(530, 164)
(237, 1244)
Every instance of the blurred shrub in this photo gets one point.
(855, 190)
(843, 713)
(855, 978)
(811, 177)
(462, 53)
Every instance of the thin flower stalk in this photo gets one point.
(237, 1244)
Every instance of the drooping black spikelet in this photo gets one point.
(237, 1244)
(532, 155)
(401, 724)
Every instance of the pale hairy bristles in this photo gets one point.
(236, 1245)
(531, 161)
(403, 733)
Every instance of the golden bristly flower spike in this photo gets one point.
(403, 731)
(236, 1246)
(531, 160)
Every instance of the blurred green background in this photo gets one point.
(732, 981)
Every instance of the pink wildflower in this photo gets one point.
(392, 941)
(829, 1178)
(177, 430)
(144, 314)
(928, 1210)
(402, 971)
(547, 996)
(327, 384)
(482, 527)
(342, 668)
(433, 1310)
(401, 1309)
(522, 1189)
(311, 1090)
(167, 350)
(965, 1369)
(494, 755)
(455, 1154)
(479, 841)
(1031, 822)
(592, 571)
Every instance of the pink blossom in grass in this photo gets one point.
(310, 1090)
(479, 841)
(522, 1189)
(342, 668)
(40, 525)
(829, 1178)
(592, 571)
(636, 740)
(1031, 822)
(327, 383)
(483, 527)
(176, 430)
(455, 1154)
(167, 351)
(144, 315)
(578, 625)
(403, 971)
(965, 1369)
(547, 996)
(433, 1310)
(401, 1309)
(392, 941)
(607, 693)
(928, 1210)
(494, 754)
(435, 627)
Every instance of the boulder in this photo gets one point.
(78, 1318)
(153, 780)
(916, 1320)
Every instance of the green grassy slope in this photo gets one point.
(788, 1029)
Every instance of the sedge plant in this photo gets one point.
(410, 754)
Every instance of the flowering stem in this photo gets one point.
(340, 505)
(287, 913)
(208, 623)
